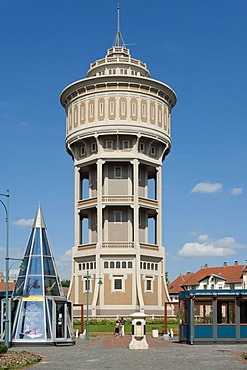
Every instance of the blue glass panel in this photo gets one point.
(51, 287)
(35, 266)
(31, 321)
(19, 286)
(203, 331)
(46, 249)
(36, 243)
(243, 331)
(33, 286)
(226, 331)
(48, 266)
(28, 249)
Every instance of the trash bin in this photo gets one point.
(166, 336)
(155, 332)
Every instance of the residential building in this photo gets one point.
(210, 278)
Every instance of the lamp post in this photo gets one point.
(6, 327)
(87, 323)
(88, 277)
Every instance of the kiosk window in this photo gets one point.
(226, 312)
(203, 313)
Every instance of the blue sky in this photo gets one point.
(198, 48)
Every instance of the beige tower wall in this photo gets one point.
(118, 134)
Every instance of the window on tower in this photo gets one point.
(118, 217)
(93, 147)
(109, 144)
(83, 150)
(126, 144)
(117, 172)
(149, 285)
(142, 147)
(118, 284)
(153, 150)
(87, 285)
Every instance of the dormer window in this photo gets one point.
(142, 147)
(109, 144)
(153, 150)
(126, 144)
(83, 150)
(93, 147)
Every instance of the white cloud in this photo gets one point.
(207, 187)
(202, 237)
(203, 250)
(66, 256)
(236, 191)
(204, 246)
(23, 222)
(64, 265)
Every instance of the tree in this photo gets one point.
(65, 283)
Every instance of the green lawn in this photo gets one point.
(108, 328)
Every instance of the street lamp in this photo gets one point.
(6, 327)
(100, 282)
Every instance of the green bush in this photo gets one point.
(99, 321)
(3, 349)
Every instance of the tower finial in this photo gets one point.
(118, 40)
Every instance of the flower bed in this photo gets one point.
(15, 360)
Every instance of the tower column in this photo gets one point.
(159, 200)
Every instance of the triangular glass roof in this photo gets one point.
(39, 275)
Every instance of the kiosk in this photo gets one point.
(213, 316)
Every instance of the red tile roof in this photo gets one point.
(232, 274)
(175, 286)
(3, 286)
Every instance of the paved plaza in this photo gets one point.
(107, 352)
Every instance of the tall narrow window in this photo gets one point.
(153, 150)
(142, 147)
(111, 107)
(82, 112)
(148, 285)
(91, 110)
(93, 147)
(87, 285)
(117, 172)
(144, 110)
(83, 150)
(133, 109)
(117, 217)
(123, 108)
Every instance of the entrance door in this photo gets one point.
(60, 320)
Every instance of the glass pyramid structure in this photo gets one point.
(39, 310)
(39, 276)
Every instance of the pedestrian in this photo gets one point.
(117, 327)
(122, 322)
